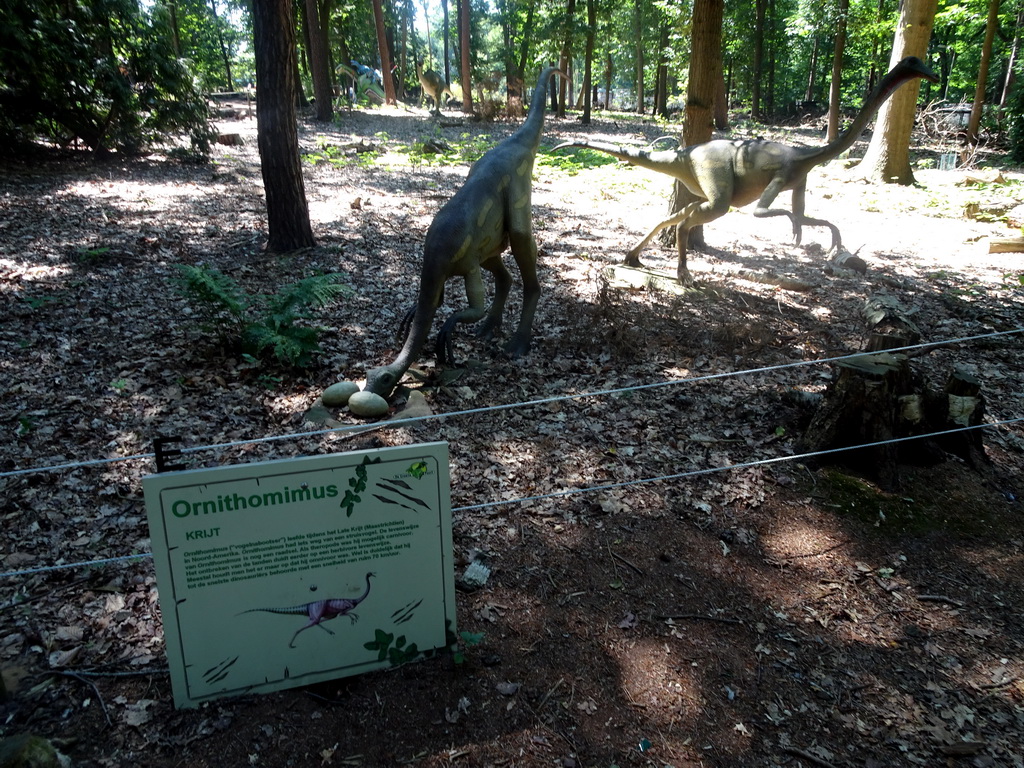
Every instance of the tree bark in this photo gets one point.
(704, 76)
(385, 54)
(835, 97)
(638, 29)
(888, 155)
(588, 61)
(563, 60)
(467, 75)
(277, 134)
(760, 6)
(974, 123)
(319, 64)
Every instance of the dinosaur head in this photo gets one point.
(382, 381)
(911, 66)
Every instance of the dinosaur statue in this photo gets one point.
(489, 212)
(321, 610)
(432, 86)
(722, 173)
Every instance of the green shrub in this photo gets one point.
(273, 325)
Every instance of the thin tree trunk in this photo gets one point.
(638, 29)
(467, 79)
(974, 124)
(760, 7)
(835, 96)
(223, 46)
(588, 64)
(385, 54)
(319, 65)
(563, 60)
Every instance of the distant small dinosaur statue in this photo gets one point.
(489, 212)
(432, 86)
(723, 173)
(321, 610)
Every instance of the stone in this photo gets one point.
(367, 404)
(337, 395)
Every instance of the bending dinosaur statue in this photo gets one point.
(489, 212)
(722, 173)
(432, 86)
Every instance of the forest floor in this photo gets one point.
(775, 614)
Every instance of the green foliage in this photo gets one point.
(273, 325)
(100, 73)
(573, 161)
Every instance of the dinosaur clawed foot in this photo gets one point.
(488, 329)
(518, 347)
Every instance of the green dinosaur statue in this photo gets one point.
(489, 212)
(432, 86)
(723, 173)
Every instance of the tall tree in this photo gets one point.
(638, 41)
(888, 155)
(464, 42)
(319, 60)
(974, 123)
(702, 84)
(276, 131)
(385, 53)
(588, 61)
(564, 60)
(835, 97)
(760, 8)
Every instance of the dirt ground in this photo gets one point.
(791, 613)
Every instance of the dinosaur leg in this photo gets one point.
(477, 297)
(524, 249)
(765, 211)
(502, 285)
(799, 220)
(676, 219)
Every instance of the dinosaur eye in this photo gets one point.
(313, 587)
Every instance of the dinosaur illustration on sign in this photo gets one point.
(725, 173)
(321, 610)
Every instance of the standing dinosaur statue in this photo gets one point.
(321, 610)
(722, 173)
(432, 86)
(489, 212)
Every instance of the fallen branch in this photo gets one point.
(940, 599)
(807, 756)
(700, 617)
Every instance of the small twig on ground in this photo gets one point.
(700, 617)
(940, 599)
(624, 560)
(91, 684)
(807, 756)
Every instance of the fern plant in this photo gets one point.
(262, 325)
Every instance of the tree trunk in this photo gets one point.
(705, 74)
(760, 6)
(277, 134)
(385, 54)
(1011, 65)
(638, 29)
(661, 80)
(467, 75)
(447, 52)
(974, 124)
(588, 62)
(563, 59)
(319, 64)
(835, 97)
(223, 47)
(888, 155)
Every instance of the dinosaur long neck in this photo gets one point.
(885, 88)
(365, 591)
(535, 120)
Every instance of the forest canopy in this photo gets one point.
(125, 74)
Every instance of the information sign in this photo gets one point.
(285, 573)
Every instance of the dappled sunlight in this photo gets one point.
(655, 677)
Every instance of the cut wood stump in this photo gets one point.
(876, 398)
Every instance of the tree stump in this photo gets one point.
(876, 397)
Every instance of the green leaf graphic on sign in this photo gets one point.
(418, 470)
